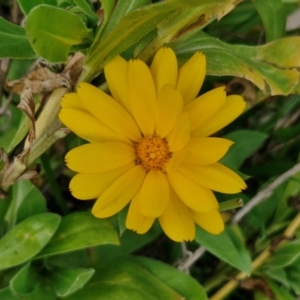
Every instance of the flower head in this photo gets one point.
(150, 145)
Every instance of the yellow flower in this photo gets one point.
(149, 145)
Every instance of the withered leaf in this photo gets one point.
(258, 284)
(42, 81)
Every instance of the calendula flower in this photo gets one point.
(149, 145)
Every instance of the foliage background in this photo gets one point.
(51, 247)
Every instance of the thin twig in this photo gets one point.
(185, 254)
(264, 193)
(191, 259)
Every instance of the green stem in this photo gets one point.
(59, 199)
(231, 204)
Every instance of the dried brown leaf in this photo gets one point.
(29, 174)
(38, 81)
(16, 86)
(258, 284)
(74, 68)
(28, 107)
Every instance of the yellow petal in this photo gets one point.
(176, 160)
(154, 194)
(90, 186)
(135, 220)
(206, 151)
(169, 108)
(164, 68)
(118, 195)
(177, 220)
(232, 108)
(205, 106)
(99, 157)
(85, 125)
(191, 76)
(210, 221)
(71, 100)
(180, 135)
(107, 110)
(192, 194)
(216, 177)
(116, 77)
(142, 95)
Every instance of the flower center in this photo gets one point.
(152, 153)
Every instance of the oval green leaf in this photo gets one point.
(78, 231)
(180, 282)
(27, 6)
(68, 281)
(126, 279)
(27, 239)
(30, 284)
(14, 41)
(26, 201)
(53, 31)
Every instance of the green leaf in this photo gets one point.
(53, 31)
(242, 20)
(129, 242)
(27, 238)
(78, 231)
(260, 215)
(192, 16)
(68, 281)
(278, 274)
(14, 41)
(108, 8)
(283, 209)
(17, 130)
(231, 251)
(293, 274)
(7, 294)
(28, 284)
(271, 67)
(26, 201)
(181, 283)
(246, 142)
(122, 215)
(127, 280)
(121, 9)
(86, 8)
(27, 6)
(129, 31)
(280, 292)
(24, 282)
(285, 255)
(273, 15)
